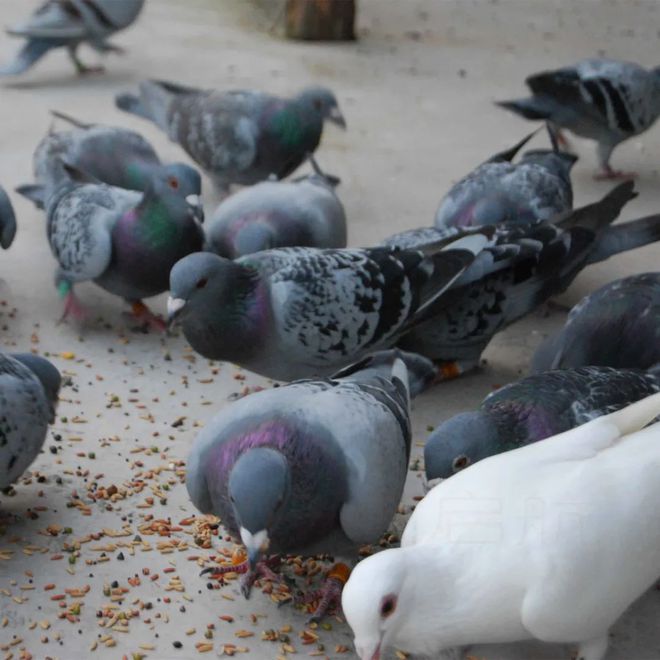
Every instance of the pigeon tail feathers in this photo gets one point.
(626, 236)
(31, 52)
(530, 108)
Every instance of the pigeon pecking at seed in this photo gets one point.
(616, 326)
(311, 467)
(68, 24)
(551, 542)
(7, 221)
(538, 187)
(240, 137)
(112, 155)
(29, 389)
(530, 410)
(608, 101)
(305, 212)
(123, 240)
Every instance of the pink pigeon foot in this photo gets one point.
(609, 174)
(73, 308)
(147, 318)
(328, 598)
(263, 570)
(562, 140)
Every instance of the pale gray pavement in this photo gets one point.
(417, 92)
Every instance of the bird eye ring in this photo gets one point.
(202, 283)
(173, 183)
(460, 462)
(388, 606)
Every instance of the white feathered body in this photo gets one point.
(553, 541)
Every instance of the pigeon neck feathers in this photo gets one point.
(317, 485)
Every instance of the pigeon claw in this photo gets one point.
(73, 308)
(328, 598)
(147, 318)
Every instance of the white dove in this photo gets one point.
(552, 542)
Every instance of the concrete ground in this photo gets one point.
(96, 561)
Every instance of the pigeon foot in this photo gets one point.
(608, 174)
(73, 308)
(147, 318)
(454, 369)
(328, 598)
(263, 570)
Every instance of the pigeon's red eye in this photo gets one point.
(173, 183)
(202, 283)
(317, 104)
(388, 606)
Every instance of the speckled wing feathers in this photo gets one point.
(218, 130)
(80, 223)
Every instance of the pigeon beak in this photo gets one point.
(368, 651)
(256, 545)
(195, 203)
(174, 307)
(337, 118)
(254, 554)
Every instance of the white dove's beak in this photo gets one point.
(174, 306)
(195, 202)
(368, 651)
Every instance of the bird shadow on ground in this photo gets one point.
(70, 81)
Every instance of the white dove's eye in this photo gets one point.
(460, 462)
(387, 606)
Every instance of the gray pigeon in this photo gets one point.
(67, 24)
(530, 410)
(305, 212)
(7, 221)
(124, 240)
(29, 389)
(294, 313)
(238, 137)
(112, 155)
(536, 188)
(521, 268)
(605, 100)
(616, 326)
(312, 467)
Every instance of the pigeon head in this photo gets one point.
(376, 600)
(557, 162)
(211, 297)
(458, 443)
(7, 221)
(322, 102)
(48, 375)
(188, 178)
(171, 189)
(259, 485)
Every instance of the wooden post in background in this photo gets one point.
(320, 20)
